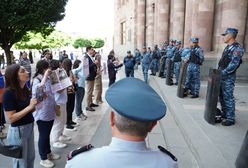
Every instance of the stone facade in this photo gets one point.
(150, 22)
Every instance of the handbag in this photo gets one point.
(14, 151)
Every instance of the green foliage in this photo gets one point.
(82, 42)
(20, 16)
(38, 41)
(97, 43)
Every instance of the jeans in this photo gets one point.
(44, 128)
(70, 107)
(79, 98)
(25, 138)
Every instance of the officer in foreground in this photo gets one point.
(136, 110)
(228, 64)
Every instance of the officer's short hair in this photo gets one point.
(131, 127)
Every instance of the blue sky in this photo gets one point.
(88, 18)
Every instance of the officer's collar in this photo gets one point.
(127, 145)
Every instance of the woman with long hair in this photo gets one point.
(19, 105)
(45, 112)
(67, 65)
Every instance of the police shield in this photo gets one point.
(181, 80)
(169, 69)
(242, 159)
(213, 90)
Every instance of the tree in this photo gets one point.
(81, 42)
(38, 41)
(97, 43)
(20, 16)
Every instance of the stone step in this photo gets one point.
(201, 146)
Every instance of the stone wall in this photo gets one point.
(156, 21)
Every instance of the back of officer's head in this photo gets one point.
(137, 107)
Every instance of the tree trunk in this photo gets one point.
(8, 56)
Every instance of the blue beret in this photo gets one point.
(230, 31)
(134, 99)
(194, 39)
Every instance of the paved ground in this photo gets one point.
(183, 130)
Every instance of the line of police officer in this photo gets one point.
(157, 61)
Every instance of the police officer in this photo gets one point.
(194, 59)
(129, 62)
(137, 57)
(228, 64)
(177, 60)
(145, 63)
(130, 124)
(162, 60)
(169, 54)
(155, 60)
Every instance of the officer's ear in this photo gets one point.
(112, 120)
(154, 123)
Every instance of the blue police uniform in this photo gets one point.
(129, 63)
(170, 50)
(154, 66)
(177, 61)
(228, 64)
(145, 65)
(194, 58)
(137, 57)
(123, 153)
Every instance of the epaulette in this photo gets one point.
(78, 151)
(162, 149)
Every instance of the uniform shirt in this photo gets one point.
(129, 62)
(235, 53)
(146, 58)
(170, 51)
(122, 154)
(198, 51)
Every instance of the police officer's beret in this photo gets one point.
(230, 31)
(194, 39)
(178, 42)
(134, 99)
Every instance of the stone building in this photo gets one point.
(149, 22)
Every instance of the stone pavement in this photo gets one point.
(81, 137)
(209, 145)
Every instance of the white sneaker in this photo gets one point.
(59, 145)
(64, 138)
(47, 163)
(77, 120)
(53, 156)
